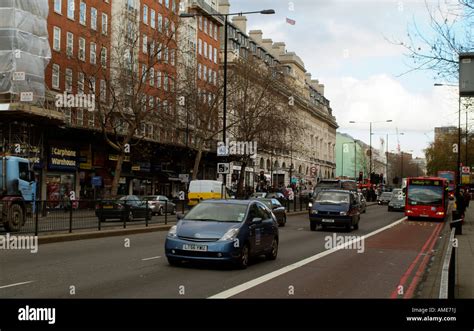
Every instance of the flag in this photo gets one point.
(290, 21)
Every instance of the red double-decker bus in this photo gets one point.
(426, 197)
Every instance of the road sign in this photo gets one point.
(222, 150)
(181, 195)
(223, 168)
(184, 178)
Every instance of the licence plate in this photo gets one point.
(199, 248)
(108, 207)
(328, 221)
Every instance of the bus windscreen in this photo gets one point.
(425, 192)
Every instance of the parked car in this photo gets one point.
(269, 195)
(277, 208)
(362, 203)
(127, 208)
(159, 204)
(335, 208)
(223, 231)
(384, 198)
(397, 203)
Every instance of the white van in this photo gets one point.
(206, 189)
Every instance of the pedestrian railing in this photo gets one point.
(448, 272)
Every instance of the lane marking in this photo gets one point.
(151, 258)
(419, 273)
(299, 229)
(17, 284)
(408, 272)
(265, 278)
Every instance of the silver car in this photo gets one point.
(159, 204)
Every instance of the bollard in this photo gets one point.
(100, 216)
(456, 222)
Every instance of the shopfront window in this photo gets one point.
(57, 185)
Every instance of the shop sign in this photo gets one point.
(114, 157)
(62, 158)
(123, 180)
(85, 159)
(144, 166)
(135, 167)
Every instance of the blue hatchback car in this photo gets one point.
(224, 230)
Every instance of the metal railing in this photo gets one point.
(448, 272)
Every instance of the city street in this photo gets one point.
(105, 268)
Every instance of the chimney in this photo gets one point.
(224, 6)
(240, 22)
(256, 35)
(268, 45)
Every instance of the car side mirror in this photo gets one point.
(256, 220)
(179, 216)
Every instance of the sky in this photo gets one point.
(348, 45)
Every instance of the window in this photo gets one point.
(93, 18)
(93, 53)
(145, 14)
(152, 77)
(57, 6)
(103, 90)
(80, 83)
(215, 32)
(205, 49)
(57, 39)
(152, 18)
(205, 24)
(165, 57)
(103, 57)
(200, 46)
(215, 78)
(143, 73)
(167, 3)
(145, 44)
(158, 79)
(158, 51)
(68, 86)
(55, 78)
(70, 9)
(160, 23)
(199, 70)
(210, 29)
(91, 116)
(165, 82)
(172, 59)
(79, 117)
(69, 44)
(92, 85)
(82, 49)
(210, 52)
(200, 22)
(105, 23)
(151, 103)
(167, 26)
(173, 6)
(82, 13)
(215, 55)
(204, 74)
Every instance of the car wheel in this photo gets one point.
(274, 250)
(349, 227)
(312, 225)
(173, 262)
(15, 218)
(243, 261)
(160, 211)
(365, 210)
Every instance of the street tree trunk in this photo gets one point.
(117, 174)
(197, 161)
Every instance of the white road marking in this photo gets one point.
(257, 281)
(299, 229)
(151, 258)
(16, 284)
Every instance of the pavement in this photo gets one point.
(135, 266)
(465, 258)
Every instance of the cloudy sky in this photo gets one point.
(346, 45)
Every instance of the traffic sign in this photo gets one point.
(181, 195)
(222, 150)
(223, 168)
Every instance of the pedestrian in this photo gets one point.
(461, 204)
(66, 202)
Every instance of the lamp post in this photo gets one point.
(355, 160)
(370, 139)
(226, 21)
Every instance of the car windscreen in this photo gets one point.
(425, 195)
(218, 212)
(326, 197)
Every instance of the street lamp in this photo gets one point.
(352, 122)
(224, 111)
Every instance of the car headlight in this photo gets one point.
(310, 204)
(343, 213)
(172, 232)
(231, 234)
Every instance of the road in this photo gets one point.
(106, 268)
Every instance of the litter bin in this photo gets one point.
(456, 222)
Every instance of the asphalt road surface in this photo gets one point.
(305, 268)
